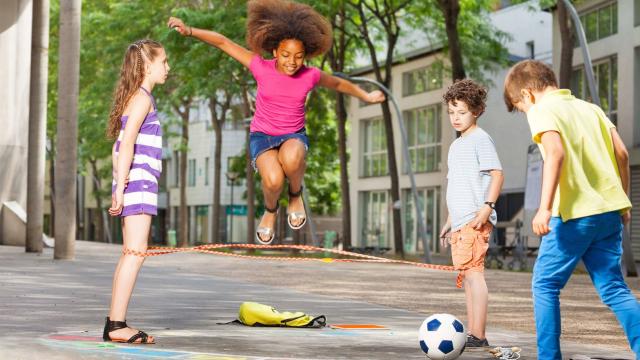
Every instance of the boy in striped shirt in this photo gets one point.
(474, 181)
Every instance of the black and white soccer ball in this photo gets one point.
(442, 337)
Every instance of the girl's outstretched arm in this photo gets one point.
(213, 38)
(349, 88)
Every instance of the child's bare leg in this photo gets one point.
(136, 232)
(272, 176)
(480, 295)
(291, 156)
(468, 294)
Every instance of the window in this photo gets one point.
(192, 173)
(636, 11)
(421, 80)
(374, 154)
(375, 216)
(606, 76)
(430, 205)
(600, 22)
(206, 171)
(531, 49)
(423, 134)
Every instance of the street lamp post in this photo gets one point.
(405, 148)
(231, 180)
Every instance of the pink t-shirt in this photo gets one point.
(280, 99)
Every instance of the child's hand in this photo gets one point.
(126, 180)
(117, 202)
(444, 235)
(626, 217)
(540, 222)
(375, 97)
(481, 217)
(178, 24)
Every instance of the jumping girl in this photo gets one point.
(137, 155)
(292, 33)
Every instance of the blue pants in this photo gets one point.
(597, 241)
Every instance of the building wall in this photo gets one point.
(15, 40)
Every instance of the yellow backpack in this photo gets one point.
(254, 314)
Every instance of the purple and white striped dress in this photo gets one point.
(141, 193)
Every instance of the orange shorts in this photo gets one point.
(469, 248)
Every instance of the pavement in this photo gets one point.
(55, 309)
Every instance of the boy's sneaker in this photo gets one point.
(474, 342)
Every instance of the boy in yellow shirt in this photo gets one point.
(584, 201)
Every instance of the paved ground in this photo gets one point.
(54, 309)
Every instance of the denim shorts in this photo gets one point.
(260, 142)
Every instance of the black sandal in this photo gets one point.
(294, 216)
(270, 232)
(110, 326)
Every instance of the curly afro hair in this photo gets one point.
(271, 21)
(469, 92)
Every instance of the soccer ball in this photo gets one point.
(442, 336)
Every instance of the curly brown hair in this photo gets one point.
(271, 21)
(131, 77)
(469, 92)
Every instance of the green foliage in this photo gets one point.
(481, 42)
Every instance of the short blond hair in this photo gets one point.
(527, 74)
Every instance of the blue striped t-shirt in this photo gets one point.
(471, 158)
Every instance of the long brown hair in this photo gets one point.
(271, 21)
(131, 77)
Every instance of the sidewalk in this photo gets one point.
(55, 309)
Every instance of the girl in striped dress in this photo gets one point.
(137, 166)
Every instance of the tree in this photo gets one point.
(567, 37)
(451, 10)
(37, 124)
(52, 107)
(66, 153)
(473, 44)
(380, 21)
(340, 57)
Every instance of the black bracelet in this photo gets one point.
(190, 30)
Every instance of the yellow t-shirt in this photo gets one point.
(589, 180)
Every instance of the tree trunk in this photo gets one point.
(37, 125)
(451, 9)
(67, 130)
(567, 37)
(52, 177)
(395, 184)
(251, 191)
(391, 29)
(97, 185)
(217, 167)
(183, 226)
(341, 112)
(337, 58)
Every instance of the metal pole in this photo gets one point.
(588, 66)
(422, 233)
